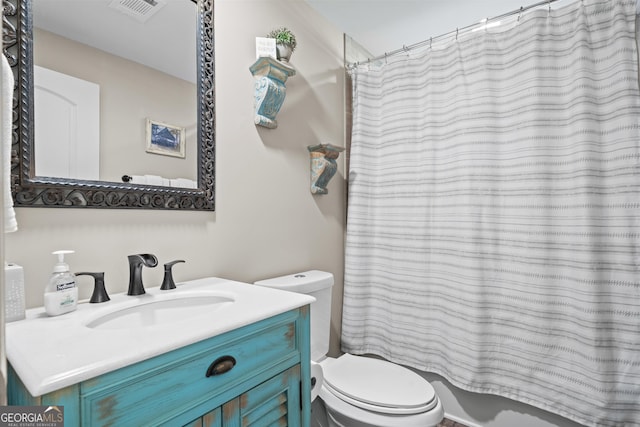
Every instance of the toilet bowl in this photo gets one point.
(362, 391)
(358, 391)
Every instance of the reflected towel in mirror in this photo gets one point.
(183, 183)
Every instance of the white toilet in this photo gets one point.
(358, 391)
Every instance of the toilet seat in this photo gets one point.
(378, 385)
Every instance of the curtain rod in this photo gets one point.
(457, 31)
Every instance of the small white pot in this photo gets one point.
(284, 52)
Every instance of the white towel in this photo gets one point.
(10, 223)
(157, 180)
(183, 183)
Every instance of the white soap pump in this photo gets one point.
(61, 294)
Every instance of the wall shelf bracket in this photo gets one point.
(270, 90)
(323, 166)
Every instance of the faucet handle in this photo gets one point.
(167, 282)
(99, 291)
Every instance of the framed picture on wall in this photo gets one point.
(165, 139)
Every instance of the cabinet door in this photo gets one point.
(274, 402)
(211, 419)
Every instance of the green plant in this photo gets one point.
(284, 36)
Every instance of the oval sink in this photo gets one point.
(158, 312)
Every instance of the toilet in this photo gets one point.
(357, 391)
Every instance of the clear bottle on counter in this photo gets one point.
(61, 294)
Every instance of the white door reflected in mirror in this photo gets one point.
(67, 132)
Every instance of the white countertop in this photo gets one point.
(50, 353)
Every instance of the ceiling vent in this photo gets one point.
(141, 10)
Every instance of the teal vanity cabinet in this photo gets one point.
(256, 375)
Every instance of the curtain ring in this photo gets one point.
(520, 13)
(430, 42)
(385, 57)
(549, 7)
(456, 33)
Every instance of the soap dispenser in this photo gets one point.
(61, 294)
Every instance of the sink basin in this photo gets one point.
(175, 308)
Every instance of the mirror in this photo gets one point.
(99, 74)
(30, 189)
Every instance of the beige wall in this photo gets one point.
(129, 94)
(267, 222)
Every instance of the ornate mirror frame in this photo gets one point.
(31, 191)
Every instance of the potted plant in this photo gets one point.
(285, 42)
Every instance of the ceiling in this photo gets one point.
(386, 25)
(166, 41)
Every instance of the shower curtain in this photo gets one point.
(493, 220)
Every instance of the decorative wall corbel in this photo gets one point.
(323, 166)
(270, 90)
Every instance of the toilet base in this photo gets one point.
(319, 414)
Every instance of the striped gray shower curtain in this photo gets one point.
(493, 232)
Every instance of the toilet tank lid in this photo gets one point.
(303, 282)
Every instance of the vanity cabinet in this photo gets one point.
(270, 403)
(257, 375)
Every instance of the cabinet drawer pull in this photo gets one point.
(221, 365)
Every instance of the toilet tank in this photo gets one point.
(317, 284)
